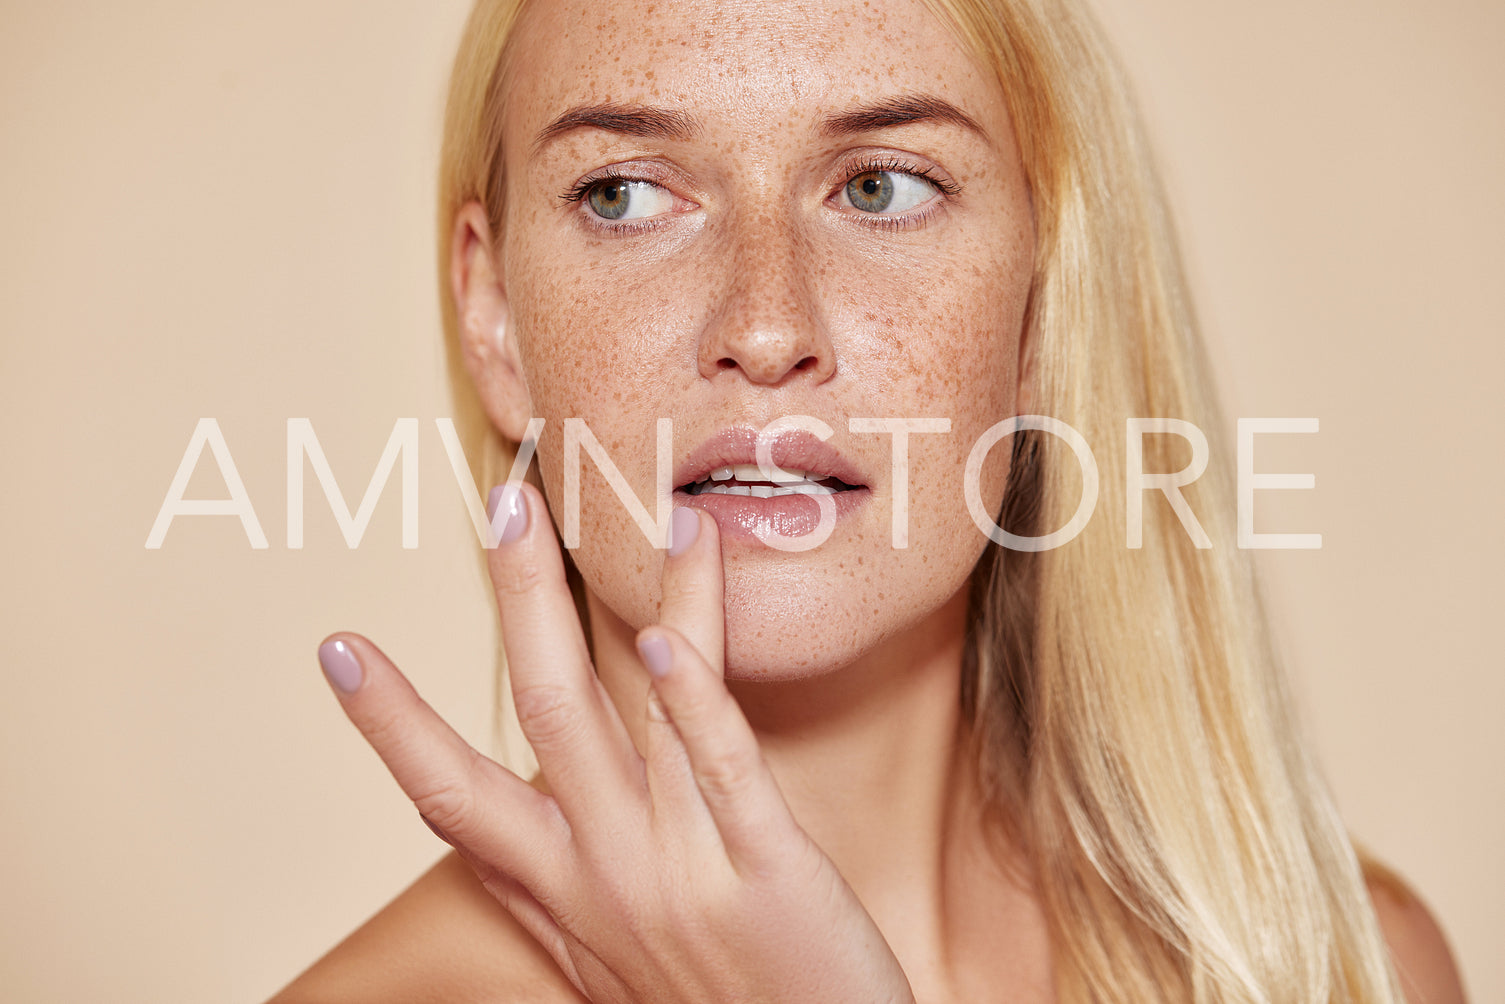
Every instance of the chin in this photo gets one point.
(788, 627)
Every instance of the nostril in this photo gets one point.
(726, 364)
(805, 363)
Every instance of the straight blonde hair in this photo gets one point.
(1129, 715)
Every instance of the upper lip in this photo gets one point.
(791, 450)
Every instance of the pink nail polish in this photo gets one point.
(340, 666)
(656, 654)
(508, 499)
(684, 527)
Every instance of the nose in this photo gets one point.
(767, 321)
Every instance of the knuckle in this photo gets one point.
(685, 708)
(547, 713)
(679, 592)
(521, 575)
(727, 775)
(447, 801)
(703, 709)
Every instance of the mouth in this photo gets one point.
(801, 464)
(804, 476)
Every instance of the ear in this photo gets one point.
(487, 340)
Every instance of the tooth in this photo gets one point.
(721, 474)
(768, 491)
(752, 472)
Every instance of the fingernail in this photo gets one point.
(684, 527)
(656, 654)
(340, 666)
(508, 498)
(437, 832)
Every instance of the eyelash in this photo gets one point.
(869, 165)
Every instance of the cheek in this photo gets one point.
(974, 388)
(599, 351)
(598, 342)
(949, 350)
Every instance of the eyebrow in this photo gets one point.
(628, 120)
(664, 123)
(898, 111)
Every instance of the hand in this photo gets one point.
(678, 875)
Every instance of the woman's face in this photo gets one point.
(727, 213)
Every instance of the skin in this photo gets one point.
(790, 801)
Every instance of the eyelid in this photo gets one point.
(643, 172)
(874, 161)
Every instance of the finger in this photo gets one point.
(677, 811)
(692, 585)
(691, 604)
(477, 803)
(726, 763)
(583, 748)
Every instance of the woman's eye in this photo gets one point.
(621, 199)
(887, 192)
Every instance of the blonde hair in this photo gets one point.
(1130, 717)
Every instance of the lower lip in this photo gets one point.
(746, 518)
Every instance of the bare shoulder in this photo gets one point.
(1418, 947)
(443, 939)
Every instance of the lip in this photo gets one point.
(749, 518)
(793, 449)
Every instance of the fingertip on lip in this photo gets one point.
(705, 519)
(710, 525)
(684, 528)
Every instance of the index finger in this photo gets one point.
(693, 585)
(583, 748)
(481, 805)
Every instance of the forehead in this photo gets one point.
(748, 67)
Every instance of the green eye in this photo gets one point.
(610, 200)
(887, 192)
(871, 192)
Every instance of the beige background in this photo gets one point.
(223, 210)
